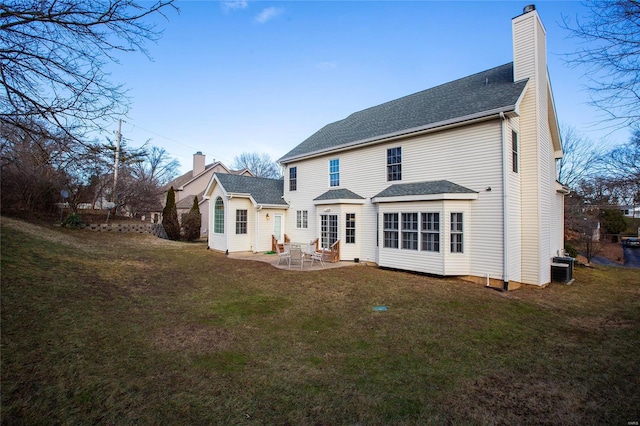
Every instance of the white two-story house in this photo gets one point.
(456, 180)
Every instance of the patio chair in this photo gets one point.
(296, 255)
(284, 252)
(309, 249)
(317, 255)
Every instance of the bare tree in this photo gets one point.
(52, 57)
(260, 165)
(157, 167)
(143, 180)
(610, 51)
(579, 159)
(33, 168)
(622, 163)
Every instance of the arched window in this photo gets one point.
(218, 217)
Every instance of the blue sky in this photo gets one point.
(261, 76)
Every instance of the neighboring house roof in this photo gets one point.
(436, 190)
(262, 190)
(487, 92)
(182, 180)
(187, 202)
(337, 194)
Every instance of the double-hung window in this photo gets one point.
(350, 228)
(456, 233)
(241, 221)
(334, 172)
(394, 164)
(390, 229)
(514, 151)
(430, 232)
(302, 219)
(293, 178)
(410, 231)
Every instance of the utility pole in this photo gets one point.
(115, 168)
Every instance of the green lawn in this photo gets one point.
(119, 329)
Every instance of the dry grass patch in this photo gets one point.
(193, 338)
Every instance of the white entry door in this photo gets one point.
(277, 226)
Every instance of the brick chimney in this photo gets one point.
(198, 163)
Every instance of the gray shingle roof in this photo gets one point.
(187, 202)
(338, 194)
(424, 188)
(488, 90)
(263, 190)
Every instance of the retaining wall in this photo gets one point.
(141, 228)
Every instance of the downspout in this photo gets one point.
(256, 238)
(505, 208)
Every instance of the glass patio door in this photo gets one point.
(328, 229)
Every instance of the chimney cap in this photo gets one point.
(199, 153)
(529, 8)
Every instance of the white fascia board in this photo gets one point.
(272, 206)
(429, 197)
(429, 128)
(231, 195)
(516, 109)
(554, 127)
(339, 201)
(209, 189)
(560, 188)
(238, 194)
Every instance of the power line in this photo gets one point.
(195, 149)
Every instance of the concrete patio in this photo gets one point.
(295, 266)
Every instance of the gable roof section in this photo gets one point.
(263, 191)
(339, 196)
(485, 93)
(181, 181)
(425, 191)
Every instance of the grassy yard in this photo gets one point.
(119, 329)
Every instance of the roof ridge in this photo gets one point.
(486, 91)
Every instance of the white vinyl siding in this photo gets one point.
(240, 242)
(538, 170)
(264, 227)
(425, 158)
(514, 202)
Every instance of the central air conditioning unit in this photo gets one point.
(562, 269)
